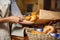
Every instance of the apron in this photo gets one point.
(4, 27)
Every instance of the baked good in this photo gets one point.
(49, 29)
(32, 18)
(36, 32)
(27, 18)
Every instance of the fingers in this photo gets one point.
(18, 19)
(18, 16)
(22, 18)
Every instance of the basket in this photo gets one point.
(38, 36)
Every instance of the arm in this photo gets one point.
(12, 19)
(3, 20)
(15, 19)
(26, 22)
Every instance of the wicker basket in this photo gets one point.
(38, 36)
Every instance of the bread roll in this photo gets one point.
(28, 18)
(36, 32)
(49, 29)
(32, 18)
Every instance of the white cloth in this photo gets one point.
(4, 27)
(4, 5)
(4, 34)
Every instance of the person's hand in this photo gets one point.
(26, 22)
(14, 19)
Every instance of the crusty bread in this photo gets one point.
(36, 32)
(49, 29)
(28, 18)
(33, 17)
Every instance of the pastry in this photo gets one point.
(32, 18)
(28, 18)
(36, 32)
(49, 29)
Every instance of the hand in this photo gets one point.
(26, 22)
(14, 19)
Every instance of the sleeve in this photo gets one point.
(15, 12)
